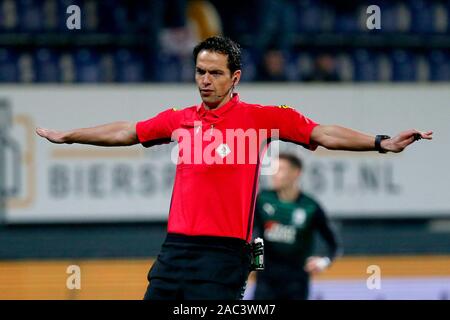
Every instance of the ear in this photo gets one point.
(236, 77)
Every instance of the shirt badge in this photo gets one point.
(269, 209)
(223, 150)
(299, 217)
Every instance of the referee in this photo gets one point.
(205, 254)
(288, 219)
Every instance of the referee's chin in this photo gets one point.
(210, 102)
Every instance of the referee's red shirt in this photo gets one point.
(216, 178)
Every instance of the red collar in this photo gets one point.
(218, 112)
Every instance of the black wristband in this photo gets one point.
(378, 139)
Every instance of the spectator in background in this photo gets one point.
(204, 18)
(236, 23)
(167, 26)
(288, 219)
(324, 70)
(192, 22)
(275, 24)
(272, 67)
(259, 24)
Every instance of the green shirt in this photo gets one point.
(288, 230)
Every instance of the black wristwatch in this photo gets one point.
(378, 139)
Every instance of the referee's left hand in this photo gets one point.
(404, 139)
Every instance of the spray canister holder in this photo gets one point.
(257, 252)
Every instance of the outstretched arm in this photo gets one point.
(109, 135)
(339, 138)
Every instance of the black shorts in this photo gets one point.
(199, 268)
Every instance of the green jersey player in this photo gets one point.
(288, 219)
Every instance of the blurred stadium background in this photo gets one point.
(105, 210)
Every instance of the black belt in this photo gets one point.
(234, 243)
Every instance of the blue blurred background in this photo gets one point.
(283, 40)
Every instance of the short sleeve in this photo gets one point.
(157, 130)
(292, 125)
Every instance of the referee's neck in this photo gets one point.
(224, 101)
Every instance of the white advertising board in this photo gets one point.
(75, 183)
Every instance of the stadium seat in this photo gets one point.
(46, 64)
(87, 66)
(66, 65)
(129, 66)
(395, 17)
(365, 66)
(304, 65)
(441, 17)
(30, 16)
(422, 17)
(168, 68)
(250, 68)
(345, 67)
(384, 67)
(423, 68)
(292, 70)
(403, 66)
(26, 68)
(439, 66)
(140, 25)
(8, 15)
(308, 16)
(8, 66)
(346, 22)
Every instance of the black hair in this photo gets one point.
(222, 45)
(295, 161)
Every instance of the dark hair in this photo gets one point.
(292, 159)
(222, 45)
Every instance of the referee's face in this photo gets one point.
(214, 80)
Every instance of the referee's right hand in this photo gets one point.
(119, 133)
(51, 135)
